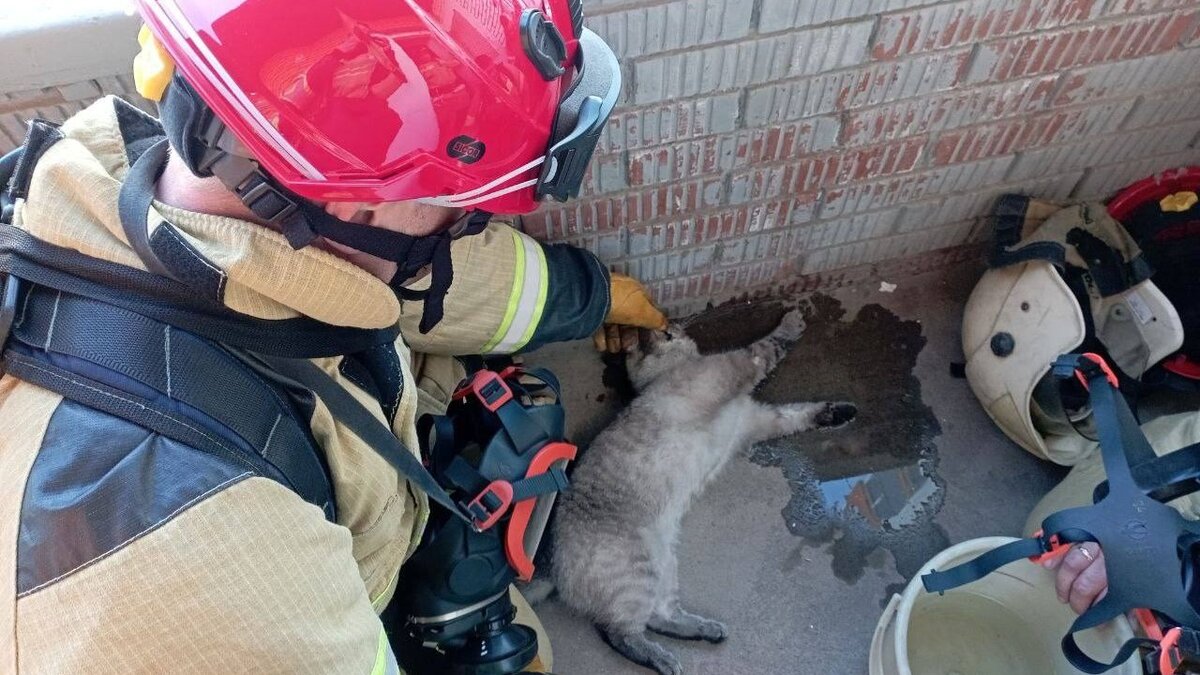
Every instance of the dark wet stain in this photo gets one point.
(869, 488)
(734, 325)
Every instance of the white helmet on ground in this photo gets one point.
(1077, 281)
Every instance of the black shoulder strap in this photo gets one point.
(363, 424)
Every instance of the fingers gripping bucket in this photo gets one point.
(1005, 624)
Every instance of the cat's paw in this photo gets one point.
(836, 414)
(791, 326)
(713, 631)
(666, 663)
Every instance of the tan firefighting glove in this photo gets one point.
(631, 309)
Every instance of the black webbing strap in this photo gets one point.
(554, 480)
(133, 204)
(974, 570)
(1106, 265)
(471, 482)
(347, 410)
(1008, 224)
(1174, 475)
(8, 165)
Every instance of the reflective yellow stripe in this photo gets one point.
(514, 295)
(543, 291)
(385, 660)
(533, 283)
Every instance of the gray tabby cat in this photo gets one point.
(615, 533)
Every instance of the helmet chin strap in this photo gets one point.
(208, 148)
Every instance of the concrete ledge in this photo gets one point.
(63, 42)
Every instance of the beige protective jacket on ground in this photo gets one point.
(246, 576)
(1166, 434)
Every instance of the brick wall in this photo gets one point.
(818, 142)
(807, 142)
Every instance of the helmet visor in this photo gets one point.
(582, 114)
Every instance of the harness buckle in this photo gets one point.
(489, 506)
(1052, 547)
(1097, 362)
(491, 390)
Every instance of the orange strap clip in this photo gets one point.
(1108, 371)
(1166, 647)
(1057, 550)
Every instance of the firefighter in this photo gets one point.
(318, 187)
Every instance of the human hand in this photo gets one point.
(631, 310)
(1081, 579)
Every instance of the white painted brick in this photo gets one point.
(969, 21)
(1127, 78)
(1057, 187)
(671, 122)
(723, 67)
(845, 230)
(932, 213)
(913, 187)
(1105, 150)
(638, 31)
(1139, 6)
(1160, 109)
(1103, 182)
(871, 85)
(783, 14)
(948, 110)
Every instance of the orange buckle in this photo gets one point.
(1057, 550)
(486, 513)
(1167, 650)
(1098, 360)
(489, 388)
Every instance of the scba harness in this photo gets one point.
(1150, 550)
(500, 451)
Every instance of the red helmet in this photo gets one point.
(489, 104)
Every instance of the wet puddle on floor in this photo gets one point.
(871, 488)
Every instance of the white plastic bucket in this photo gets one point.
(1007, 623)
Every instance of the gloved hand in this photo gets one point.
(631, 309)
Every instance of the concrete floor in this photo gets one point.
(783, 596)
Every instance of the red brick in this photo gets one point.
(962, 23)
(813, 173)
(1056, 51)
(1168, 72)
(899, 79)
(948, 110)
(1005, 138)
(717, 154)
(560, 221)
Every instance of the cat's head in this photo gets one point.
(659, 352)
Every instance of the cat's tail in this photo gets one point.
(537, 591)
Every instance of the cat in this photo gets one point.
(616, 529)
